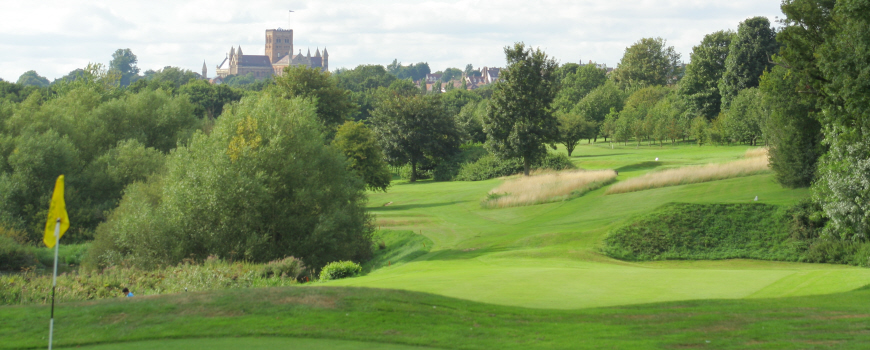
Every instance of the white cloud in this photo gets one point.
(55, 37)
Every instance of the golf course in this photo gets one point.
(453, 274)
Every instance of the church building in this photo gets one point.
(279, 55)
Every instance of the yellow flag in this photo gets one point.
(57, 210)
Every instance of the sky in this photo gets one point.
(55, 37)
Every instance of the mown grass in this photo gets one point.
(754, 163)
(547, 187)
(839, 321)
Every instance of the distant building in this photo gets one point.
(279, 48)
(490, 75)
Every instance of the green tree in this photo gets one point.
(170, 78)
(334, 106)
(31, 78)
(825, 44)
(451, 74)
(609, 126)
(577, 85)
(208, 98)
(454, 100)
(598, 103)
(648, 62)
(519, 122)
(793, 131)
(700, 85)
(263, 185)
(746, 119)
(573, 128)
(699, 132)
(469, 121)
(365, 156)
(414, 128)
(124, 61)
(749, 55)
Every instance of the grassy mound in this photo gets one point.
(706, 231)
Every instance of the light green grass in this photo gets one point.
(546, 256)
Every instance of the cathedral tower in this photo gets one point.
(279, 43)
(204, 71)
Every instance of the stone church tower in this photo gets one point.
(204, 71)
(279, 43)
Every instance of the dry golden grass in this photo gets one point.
(756, 152)
(547, 187)
(755, 162)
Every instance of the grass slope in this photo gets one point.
(332, 316)
(548, 255)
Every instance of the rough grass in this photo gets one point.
(547, 187)
(681, 231)
(755, 162)
(32, 286)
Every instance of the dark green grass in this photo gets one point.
(840, 321)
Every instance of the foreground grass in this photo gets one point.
(548, 187)
(385, 316)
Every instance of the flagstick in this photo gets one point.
(54, 281)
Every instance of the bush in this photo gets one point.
(14, 256)
(262, 185)
(448, 169)
(288, 267)
(339, 269)
(490, 167)
(32, 287)
(68, 254)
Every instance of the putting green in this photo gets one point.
(546, 256)
(248, 343)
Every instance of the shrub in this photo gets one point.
(288, 267)
(490, 167)
(68, 254)
(339, 269)
(448, 169)
(263, 184)
(32, 287)
(14, 256)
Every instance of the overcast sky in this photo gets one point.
(56, 37)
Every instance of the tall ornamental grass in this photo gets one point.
(34, 287)
(755, 162)
(547, 187)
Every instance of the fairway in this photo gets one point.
(249, 343)
(546, 256)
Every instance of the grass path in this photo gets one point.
(545, 256)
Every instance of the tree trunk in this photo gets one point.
(526, 166)
(413, 171)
